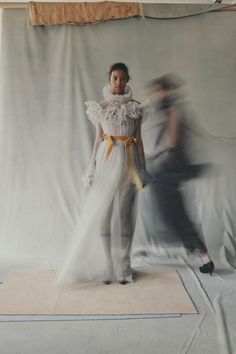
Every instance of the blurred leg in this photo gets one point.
(174, 214)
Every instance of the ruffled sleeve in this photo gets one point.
(145, 110)
(93, 111)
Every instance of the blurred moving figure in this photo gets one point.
(175, 168)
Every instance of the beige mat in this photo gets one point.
(35, 293)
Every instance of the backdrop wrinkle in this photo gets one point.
(46, 140)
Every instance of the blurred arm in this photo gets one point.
(173, 129)
(140, 148)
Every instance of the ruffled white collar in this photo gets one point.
(109, 96)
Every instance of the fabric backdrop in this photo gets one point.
(46, 140)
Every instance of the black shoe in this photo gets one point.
(123, 281)
(108, 275)
(207, 268)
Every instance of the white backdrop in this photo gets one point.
(153, 1)
(46, 140)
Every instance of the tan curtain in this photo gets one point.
(80, 13)
(41, 13)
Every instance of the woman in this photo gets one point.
(116, 170)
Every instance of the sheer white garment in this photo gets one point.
(103, 235)
(118, 114)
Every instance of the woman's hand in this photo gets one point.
(87, 177)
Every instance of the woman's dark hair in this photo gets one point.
(119, 66)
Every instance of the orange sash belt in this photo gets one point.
(129, 142)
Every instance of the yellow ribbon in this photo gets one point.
(129, 142)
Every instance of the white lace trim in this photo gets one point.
(111, 98)
(119, 108)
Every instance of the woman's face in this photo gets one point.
(118, 81)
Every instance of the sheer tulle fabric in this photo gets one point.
(103, 235)
(113, 191)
